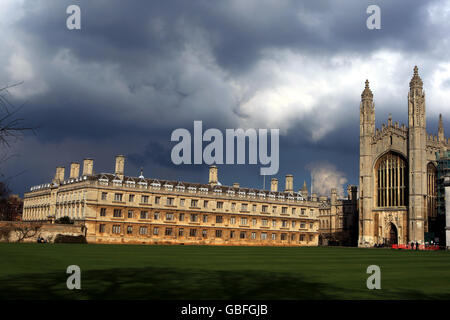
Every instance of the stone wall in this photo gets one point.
(46, 230)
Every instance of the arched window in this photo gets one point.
(391, 181)
(431, 190)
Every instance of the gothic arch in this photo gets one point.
(431, 190)
(393, 234)
(390, 150)
(391, 180)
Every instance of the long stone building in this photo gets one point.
(398, 173)
(115, 208)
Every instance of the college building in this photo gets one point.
(114, 208)
(401, 176)
(404, 187)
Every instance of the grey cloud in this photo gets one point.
(137, 70)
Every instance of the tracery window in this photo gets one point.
(391, 180)
(431, 190)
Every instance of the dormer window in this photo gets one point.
(156, 185)
(142, 184)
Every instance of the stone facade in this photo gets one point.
(120, 209)
(338, 219)
(397, 172)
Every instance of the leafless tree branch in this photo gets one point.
(11, 127)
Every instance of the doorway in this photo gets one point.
(393, 234)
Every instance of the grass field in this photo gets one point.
(38, 271)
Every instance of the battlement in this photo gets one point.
(389, 129)
(433, 140)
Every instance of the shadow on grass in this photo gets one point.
(174, 284)
(158, 283)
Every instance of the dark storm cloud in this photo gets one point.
(131, 32)
(337, 26)
(138, 70)
(154, 153)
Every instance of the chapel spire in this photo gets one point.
(441, 135)
(416, 82)
(367, 93)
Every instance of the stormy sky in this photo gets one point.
(138, 70)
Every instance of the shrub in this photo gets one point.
(64, 220)
(62, 238)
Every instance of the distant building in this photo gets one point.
(122, 209)
(11, 208)
(338, 219)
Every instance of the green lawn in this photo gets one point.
(38, 271)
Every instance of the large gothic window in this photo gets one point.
(391, 181)
(431, 190)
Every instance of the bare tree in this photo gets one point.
(11, 126)
(4, 194)
(26, 230)
(5, 231)
(10, 205)
(11, 130)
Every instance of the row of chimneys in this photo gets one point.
(88, 169)
(289, 186)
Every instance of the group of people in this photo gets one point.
(41, 240)
(414, 246)
(380, 245)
